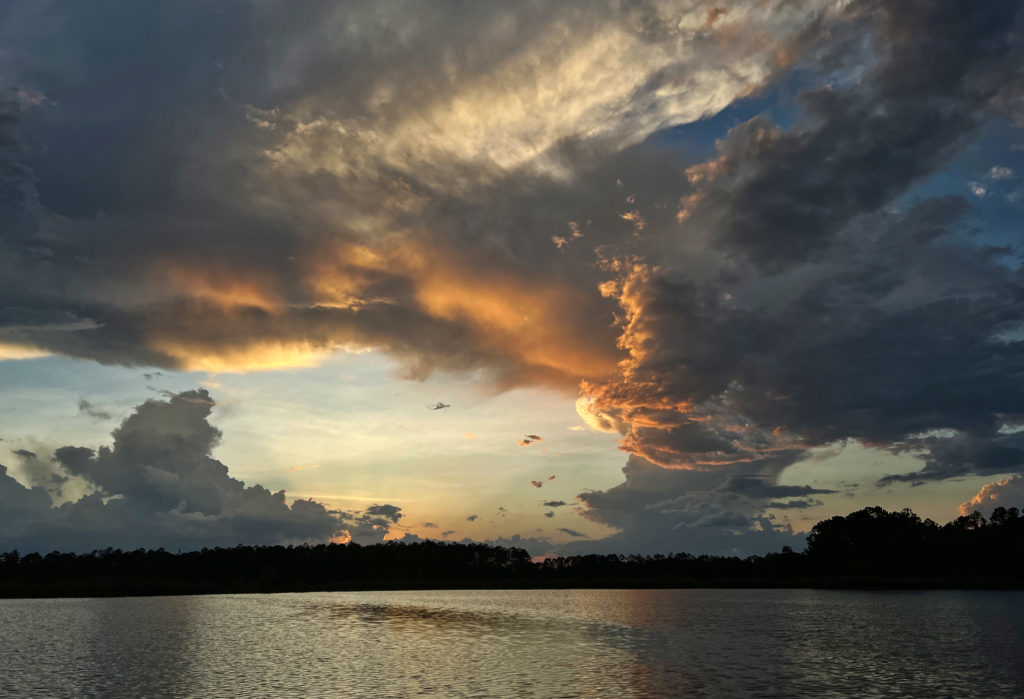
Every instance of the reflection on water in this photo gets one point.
(544, 643)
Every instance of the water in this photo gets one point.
(544, 643)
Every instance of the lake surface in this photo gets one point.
(541, 643)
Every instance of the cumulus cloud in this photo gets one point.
(158, 485)
(1007, 492)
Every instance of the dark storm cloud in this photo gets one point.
(780, 195)
(981, 453)
(753, 486)
(808, 304)
(660, 510)
(236, 196)
(157, 485)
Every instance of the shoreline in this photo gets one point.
(184, 590)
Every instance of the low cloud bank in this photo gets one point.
(159, 486)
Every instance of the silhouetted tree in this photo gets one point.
(868, 547)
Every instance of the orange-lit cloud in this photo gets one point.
(1007, 492)
(18, 351)
(657, 420)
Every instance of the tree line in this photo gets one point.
(868, 548)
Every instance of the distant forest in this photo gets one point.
(866, 549)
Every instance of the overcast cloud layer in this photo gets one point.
(488, 188)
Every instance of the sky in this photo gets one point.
(578, 277)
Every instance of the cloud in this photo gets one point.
(793, 504)
(277, 205)
(980, 451)
(994, 175)
(310, 467)
(430, 525)
(549, 515)
(438, 406)
(1007, 492)
(571, 532)
(158, 485)
(445, 534)
(761, 487)
(87, 408)
(787, 312)
(529, 439)
(472, 518)
(554, 503)
(659, 510)
(389, 512)
(791, 291)
(39, 470)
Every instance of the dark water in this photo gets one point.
(547, 643)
